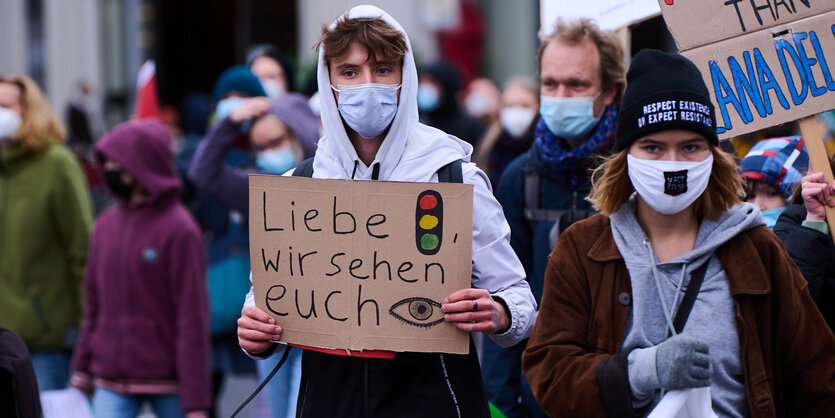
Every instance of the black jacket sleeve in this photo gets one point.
(813, 252)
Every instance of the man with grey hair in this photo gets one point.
(581, 71)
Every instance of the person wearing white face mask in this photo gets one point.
(512, 133)
(437, 99)
(676, 284)
(46, 221)
(274, 69)
(542, 191)
(368, 87)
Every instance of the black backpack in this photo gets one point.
(534, 213)
(450, 173)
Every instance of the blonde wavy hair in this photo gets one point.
(611, 186)
(40, 125)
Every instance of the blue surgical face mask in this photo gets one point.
(226, 106)
(276, 161)
(368, 109)
(427, 98)
(569, 117)
(770, 216)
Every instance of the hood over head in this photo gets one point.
(410, 151)
(292, 110)
(447, 76)
(143, 149)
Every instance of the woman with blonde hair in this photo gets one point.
(676, 284)
(45, 221)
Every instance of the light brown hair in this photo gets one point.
(612, 63)
(378, 37)
(40, 125)
(611, 186)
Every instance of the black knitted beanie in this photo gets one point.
(664, 91)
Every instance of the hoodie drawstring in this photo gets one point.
(375, 174)
(667, 312)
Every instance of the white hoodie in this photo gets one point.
(414, 152)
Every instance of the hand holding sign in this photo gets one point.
(474, 310)
(817, 194)
(256, 330)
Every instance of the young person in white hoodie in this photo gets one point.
(368, 91)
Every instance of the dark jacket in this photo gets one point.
(813, 253)
(145, 325)
(19, 396)
(574, 361)
(412, 385)
(532, 244)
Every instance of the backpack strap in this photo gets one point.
(683, 312)
(532, 210)
(304, 169)
(451, 173)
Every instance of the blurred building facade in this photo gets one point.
(103, 42)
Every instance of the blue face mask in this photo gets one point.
(569, 117)
(226, 106)
(368, 109)
(770, 216)
(427, 98)
(276, 161)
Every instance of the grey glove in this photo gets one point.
(682, 362)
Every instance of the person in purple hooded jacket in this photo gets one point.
(144, 334)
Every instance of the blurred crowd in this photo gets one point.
(124, 253)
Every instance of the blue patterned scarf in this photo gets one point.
(561, 159)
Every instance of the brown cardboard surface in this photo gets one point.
(797, 57)
(695, 23)
(357, 306)
(813, 132)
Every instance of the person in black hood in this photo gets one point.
(438, 103)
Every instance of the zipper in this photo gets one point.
(449, 385)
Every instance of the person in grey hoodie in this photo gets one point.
(611, 337)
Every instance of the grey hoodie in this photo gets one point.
(712, 319)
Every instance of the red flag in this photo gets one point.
(147, 102)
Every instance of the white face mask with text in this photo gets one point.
(669, 187)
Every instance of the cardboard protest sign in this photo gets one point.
(772, 64)
(361, 265)
(609, 14)
(695, 23)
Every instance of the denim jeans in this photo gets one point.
(283, 390)
(52, 368)
(110, 404)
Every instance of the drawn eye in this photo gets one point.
(418, 312)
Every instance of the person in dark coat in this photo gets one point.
(19, 396)
(807, 237)
(438, 86)
(544, 189)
